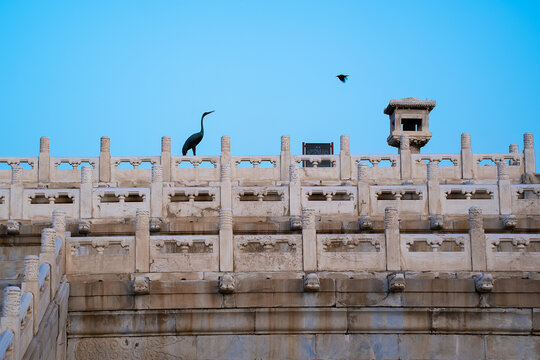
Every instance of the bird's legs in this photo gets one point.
(194, 152)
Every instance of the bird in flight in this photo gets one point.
(342, 78)
(195, 139)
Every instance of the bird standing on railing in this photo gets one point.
(195, 139)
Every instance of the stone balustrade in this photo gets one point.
(24, 308)
(372, 251)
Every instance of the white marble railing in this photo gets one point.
(6, 345)
(89, 202)
(24, 307)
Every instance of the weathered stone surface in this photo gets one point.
(483, 321)
(297, 321)
(388, 320)
(512, 347)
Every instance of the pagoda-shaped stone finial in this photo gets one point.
(409, 116)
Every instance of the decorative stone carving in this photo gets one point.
(465, 141)
(165, 144)
(59, 220)
(528, 178)
(363, 171)
(348, 243)
(344, 144)
(296, 223)
(12, 301)
(396, 282)
(48, 241)
(391, 220)
(267, 243)
(225, 219)
(285, 144)
(476, 220)
(436, 222)
(365, 223)
(227, 283)
(404, 143)
(31, 268)
(16, 174)
(100, 245)
(142, 218)
(84, 227)
(105, 144)
(502, 170)
(528, 142)
(432, 171)
(13, 227)
(308, 218)
(157, 173)
(225, 144)
(225, 172)
(294, 173)
(44, 144)
(513, 148)
(141, 285)
(86, 175)
(510, 222)
(155, 225)
(312, 283)
(484, 282)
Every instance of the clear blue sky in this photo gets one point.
(138, 70)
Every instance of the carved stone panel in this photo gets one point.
(267, 252)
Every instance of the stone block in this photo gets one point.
(512, 347)
(304, 320)
(389, 320)
(316, 299)
(482, 321)
(361, 285)
(369, 299)
(285, 347)
(439, 347)
(356, 346)
(215, 321)
(440, 299)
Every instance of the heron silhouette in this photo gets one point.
(195, 139)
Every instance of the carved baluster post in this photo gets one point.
(285, 157)
(433, 188)
(226, 245)
(344, 158)
(466, 157)
(10, 316)
(226, 192)
(86, 192)
(528, 153)
(30, 283)
(391, 233)
(44, 160)
(309, 239)
(478, 239)
(142, 241)
(166, 158)
(405, 158)
(363, 189)
(505, 190)
(59, 226)
(16, 200)
(156, 191)
(295, 191)
(47, 255)
(105, 160)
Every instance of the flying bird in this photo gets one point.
(342, 78)
(195, 139)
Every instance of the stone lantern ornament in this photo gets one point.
(409, 116)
